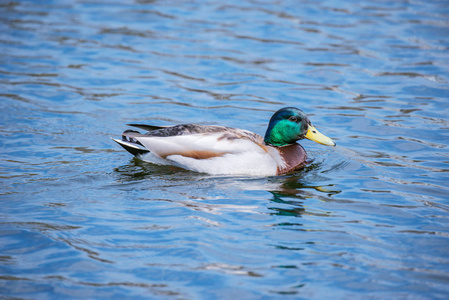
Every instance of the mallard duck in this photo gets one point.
(225, 150)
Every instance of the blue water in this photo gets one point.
(80, 218)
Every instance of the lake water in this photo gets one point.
(80, 218)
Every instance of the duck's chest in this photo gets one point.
(294, 158)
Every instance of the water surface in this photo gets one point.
(80, 218)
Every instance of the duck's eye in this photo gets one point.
(293, 119)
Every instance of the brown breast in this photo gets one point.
(294, 156)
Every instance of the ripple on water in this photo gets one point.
(81, 218)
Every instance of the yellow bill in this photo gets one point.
(316, 136)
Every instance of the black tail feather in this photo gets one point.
(129, 141)
(133, 148)
(130, 136)
(146, 127)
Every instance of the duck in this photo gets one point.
(221, 150)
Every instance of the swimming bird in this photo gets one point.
(226, 150)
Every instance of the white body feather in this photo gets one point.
(233, 156)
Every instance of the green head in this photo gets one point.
(286, 126)
(290, 124)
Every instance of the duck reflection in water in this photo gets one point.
(293, 192)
